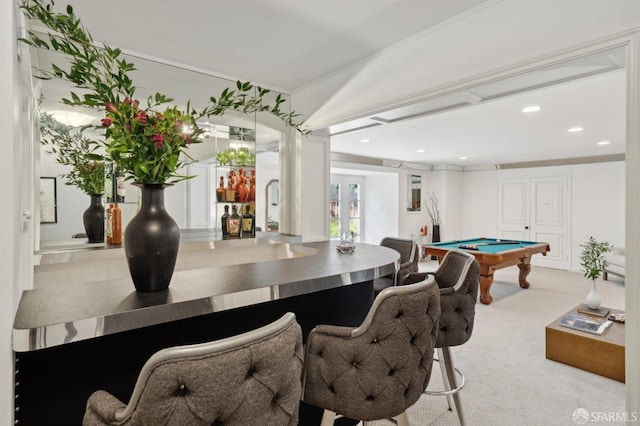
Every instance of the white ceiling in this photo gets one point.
(497, 132)
(288, 44)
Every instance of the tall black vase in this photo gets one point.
(93, 219)
(151, 241)
(435, 238)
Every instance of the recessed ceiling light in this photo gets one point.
(365, 140)
(575, 129)
(531, 108)
(420, 150)
(604, 142)
(462, 158)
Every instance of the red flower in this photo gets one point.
(110, 107)
(157, 139)
(141, 117)
(127, 100)
(106, 122)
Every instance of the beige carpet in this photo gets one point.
(509, 380)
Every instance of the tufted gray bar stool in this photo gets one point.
(379, 369)
(250, 379)
(409, 257)
(458, 277)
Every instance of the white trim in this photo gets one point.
(467, 84)
(632, 228)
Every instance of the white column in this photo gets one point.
(632, 226)
(10, 214)
(305, 173)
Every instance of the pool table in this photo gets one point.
(493, 254)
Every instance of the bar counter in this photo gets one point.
(84, 327)
(205, 281)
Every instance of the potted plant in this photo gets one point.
(87, 168)
(147, 142)
(593, 262)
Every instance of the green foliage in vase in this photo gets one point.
(592, 259)
(72, 148)
(145, 143)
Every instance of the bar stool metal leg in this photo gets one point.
(448, 362)
(445, 379)
(452, 388)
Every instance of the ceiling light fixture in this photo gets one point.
(575, 129)
(604, 142)
(365, 140)
(420, 150)
(462, 158)
(532, 108)
(71, 118)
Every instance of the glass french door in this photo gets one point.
(345, 209)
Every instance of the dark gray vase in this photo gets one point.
(93, 219)
(435, 238)
(151, 241)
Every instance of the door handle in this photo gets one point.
(526, 227)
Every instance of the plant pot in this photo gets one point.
(93, 219)
(435, 237)
(151, 241)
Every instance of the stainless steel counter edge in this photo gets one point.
(61, 314)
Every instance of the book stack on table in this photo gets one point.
(585, 323)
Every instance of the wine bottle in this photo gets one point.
(234, 222)
(248, 223)
(116, 225)
(225, 229)
(220, 190)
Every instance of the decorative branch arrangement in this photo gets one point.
(592, 259)
(432, 208)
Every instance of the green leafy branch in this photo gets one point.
(72, 148)
(592, 259)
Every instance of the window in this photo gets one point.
(413, 193)
(354, 211)
(334, 211)
(345, 207)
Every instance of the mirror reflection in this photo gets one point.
(272, 191)
(192, 203)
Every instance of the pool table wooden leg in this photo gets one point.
(485, 286)
(525, 268)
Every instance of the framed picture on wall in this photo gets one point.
(48, 200)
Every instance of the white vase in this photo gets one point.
(593, 299)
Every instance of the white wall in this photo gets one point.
(410, 222)
(597, 201)
(12, 251)
(380, 211)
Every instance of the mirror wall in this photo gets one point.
(186, 200)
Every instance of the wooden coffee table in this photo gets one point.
(603, 355)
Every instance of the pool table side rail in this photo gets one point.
(511, 256)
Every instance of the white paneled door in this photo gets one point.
(537, 209)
